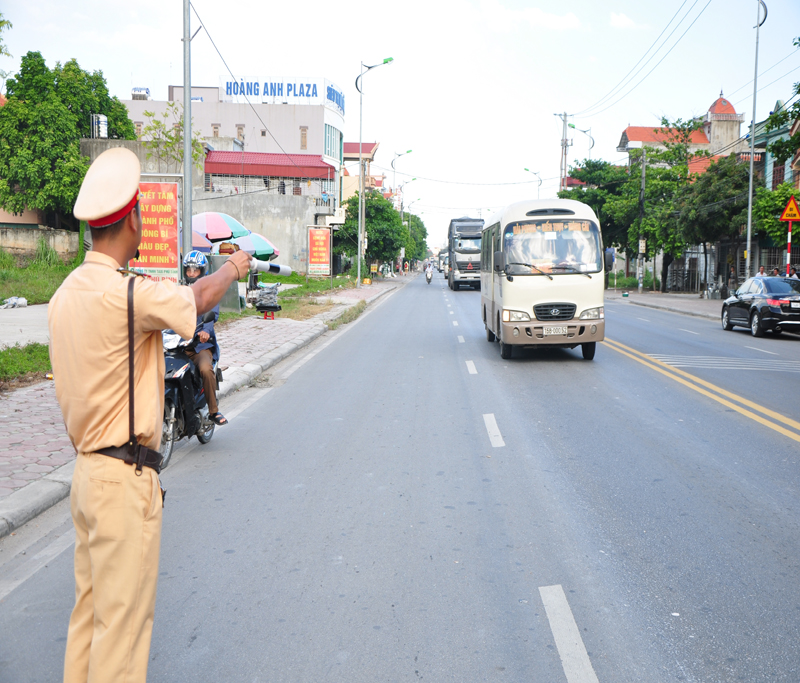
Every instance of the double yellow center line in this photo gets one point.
(777, 422)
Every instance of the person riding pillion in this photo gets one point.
(206, 352)
(108, 361)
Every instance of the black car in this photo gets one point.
(764, 303)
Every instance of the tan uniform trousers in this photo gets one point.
(117, 517)
(204, 361)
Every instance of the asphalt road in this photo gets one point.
(401, 504)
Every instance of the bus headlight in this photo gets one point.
(515, 316)
(593, 313)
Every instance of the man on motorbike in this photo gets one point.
(206, 352)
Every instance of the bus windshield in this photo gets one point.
(560, 246)
(468, 244)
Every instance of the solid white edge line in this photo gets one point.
(574, 658)
(495, 437)
(471, 368)
(460, 339)
(27, 570)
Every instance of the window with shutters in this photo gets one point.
(215, 130)
(778, 172)
(138, 128)
(303, 137)
(240, 133)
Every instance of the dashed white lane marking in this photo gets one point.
(452, 312)
(455, 323)
(771, 353)
(689, 331)
(495, 437)
(41, 559)
(460, 339)
(645, 319)
(471, 368)
(574, 659)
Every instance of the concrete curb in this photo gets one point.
(696, 314)
(32, 500)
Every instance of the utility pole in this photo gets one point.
(186, 241)
(565, 143)
(759, 22)
(640, 265)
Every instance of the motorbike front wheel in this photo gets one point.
(204, 436)
(168, 433)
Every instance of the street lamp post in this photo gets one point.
(388, 60)
(397, 155)
(536, 173)
(759, 23)
(588, 132)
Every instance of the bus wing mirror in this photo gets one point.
(609, 259)
(499, 262)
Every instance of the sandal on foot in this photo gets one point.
(218, 419)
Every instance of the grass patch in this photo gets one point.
(314, 285)
(21, 365)
(36, 279)
(349, 315)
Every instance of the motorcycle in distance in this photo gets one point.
(429, 275)
(185, 405)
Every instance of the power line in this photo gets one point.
(769, 84)
(458, 182)
(618, 85)
(655, 67)
(288, 156)
(793, 52)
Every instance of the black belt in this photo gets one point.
(143, 456)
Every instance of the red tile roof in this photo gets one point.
(266, 164)
(700, 165)
(721, 106)
(650, 134)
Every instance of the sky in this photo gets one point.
(474, 84)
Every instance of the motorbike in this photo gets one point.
(185, 405)
(428, 276)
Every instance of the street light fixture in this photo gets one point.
(588, 132)
(364, 69)
(397, 155)
(536, 173)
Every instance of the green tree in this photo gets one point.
(5, 24)
(768, 205)
(417, 247)
(47, 113)
(666, 172)
(785, 149)
(165, 138)
(386, 234)
(714, 205)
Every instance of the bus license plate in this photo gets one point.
(549, 331)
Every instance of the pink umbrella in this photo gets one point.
(213, 226)
(200, 243)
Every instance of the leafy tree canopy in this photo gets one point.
(47, 113)
(417, 248)
(785, 149)
(165, 138)
(714, 205)
(768, 205)
(386, 234)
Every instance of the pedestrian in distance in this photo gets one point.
(108, 362)
(793, 273)
(761, 272)
(776, 272)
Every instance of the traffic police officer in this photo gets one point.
(116, 505)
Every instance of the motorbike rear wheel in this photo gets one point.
(168, 433)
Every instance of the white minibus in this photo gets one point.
(542, 276)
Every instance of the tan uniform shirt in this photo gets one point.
(88, 319)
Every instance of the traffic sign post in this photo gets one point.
(790, 213)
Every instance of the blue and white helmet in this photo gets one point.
(195, 259)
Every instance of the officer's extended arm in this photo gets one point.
(208, 291)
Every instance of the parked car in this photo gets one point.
(764, 303)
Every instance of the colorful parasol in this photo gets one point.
(256, 245)
(217, 226)
(200, 243)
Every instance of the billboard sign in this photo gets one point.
(283, 91)
(158, 252)
(319, 252)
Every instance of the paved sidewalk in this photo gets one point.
(687, 304)
(36, 456)
(24, 325)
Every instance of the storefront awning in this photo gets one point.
(269, 165)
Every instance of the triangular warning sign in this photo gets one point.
(792, 211)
